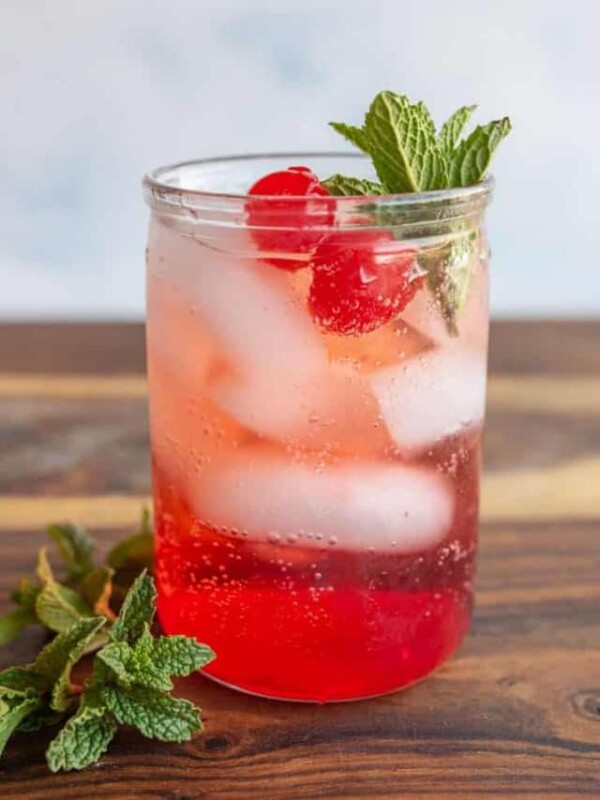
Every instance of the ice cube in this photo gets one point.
(425, 314)
(432, 396)
(253, 313)
(333, 408)
(265, 497)
(177, 338)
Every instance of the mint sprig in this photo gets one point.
(130, 685)
(130, 682)
(88, 589)
(409, 155)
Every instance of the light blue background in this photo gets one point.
(94, 93)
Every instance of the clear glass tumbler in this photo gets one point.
(317, 375)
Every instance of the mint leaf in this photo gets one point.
(137, 611)
(12, 713)
(57, 606)
(41, 717)
(83, 739)
(96, 590)
(472, 157)
(181, 655)
(76, 548)
(341, 185)
(403, 144)
(25, 594)
(449, 268)
(356, 136)
(18, 681)
(145, 669)
(117, 656)
(155, 714)
(452, 129)
(58, 658)
(135, 665)
(13, 623)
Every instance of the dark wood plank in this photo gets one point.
(524, 347)
(72, 347)
(74, 446)
(545, 346)
(516, 714)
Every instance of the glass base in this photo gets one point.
(314, 701)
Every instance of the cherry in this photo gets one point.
(361, 280)
(286, 227)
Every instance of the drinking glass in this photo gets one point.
(317, 373)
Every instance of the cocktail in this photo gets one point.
(317, 366)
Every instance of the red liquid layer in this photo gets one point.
(318, 624)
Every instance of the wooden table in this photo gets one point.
(515, 715)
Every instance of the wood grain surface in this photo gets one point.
(516, 714)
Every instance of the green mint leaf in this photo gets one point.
(83, 740)
(96, 590)
(25, 594)
(41, 717)
(135, 665)
(13, 623)
(117, 656)
(57, 606)
(155, 714)
(452, 129)
(55, 660)
(449, 268)
(12, 713)
(19, 682)
(67, 648)
(145, 669)
(354, 135)
(137, 611)
(181, 655)
(403, 145)
(341, 185)
(471, 159)
(76, 548)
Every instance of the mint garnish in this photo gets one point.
(470, 159)
(341, 185)
(452, 129)
(130, 682)
(448, 269)
(402, 142)
(409, 155)
(88, 590)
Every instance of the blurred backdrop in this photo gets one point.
(95, 93)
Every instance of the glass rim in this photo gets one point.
(152, 181)
(406, 213)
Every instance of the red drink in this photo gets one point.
(315, 481)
